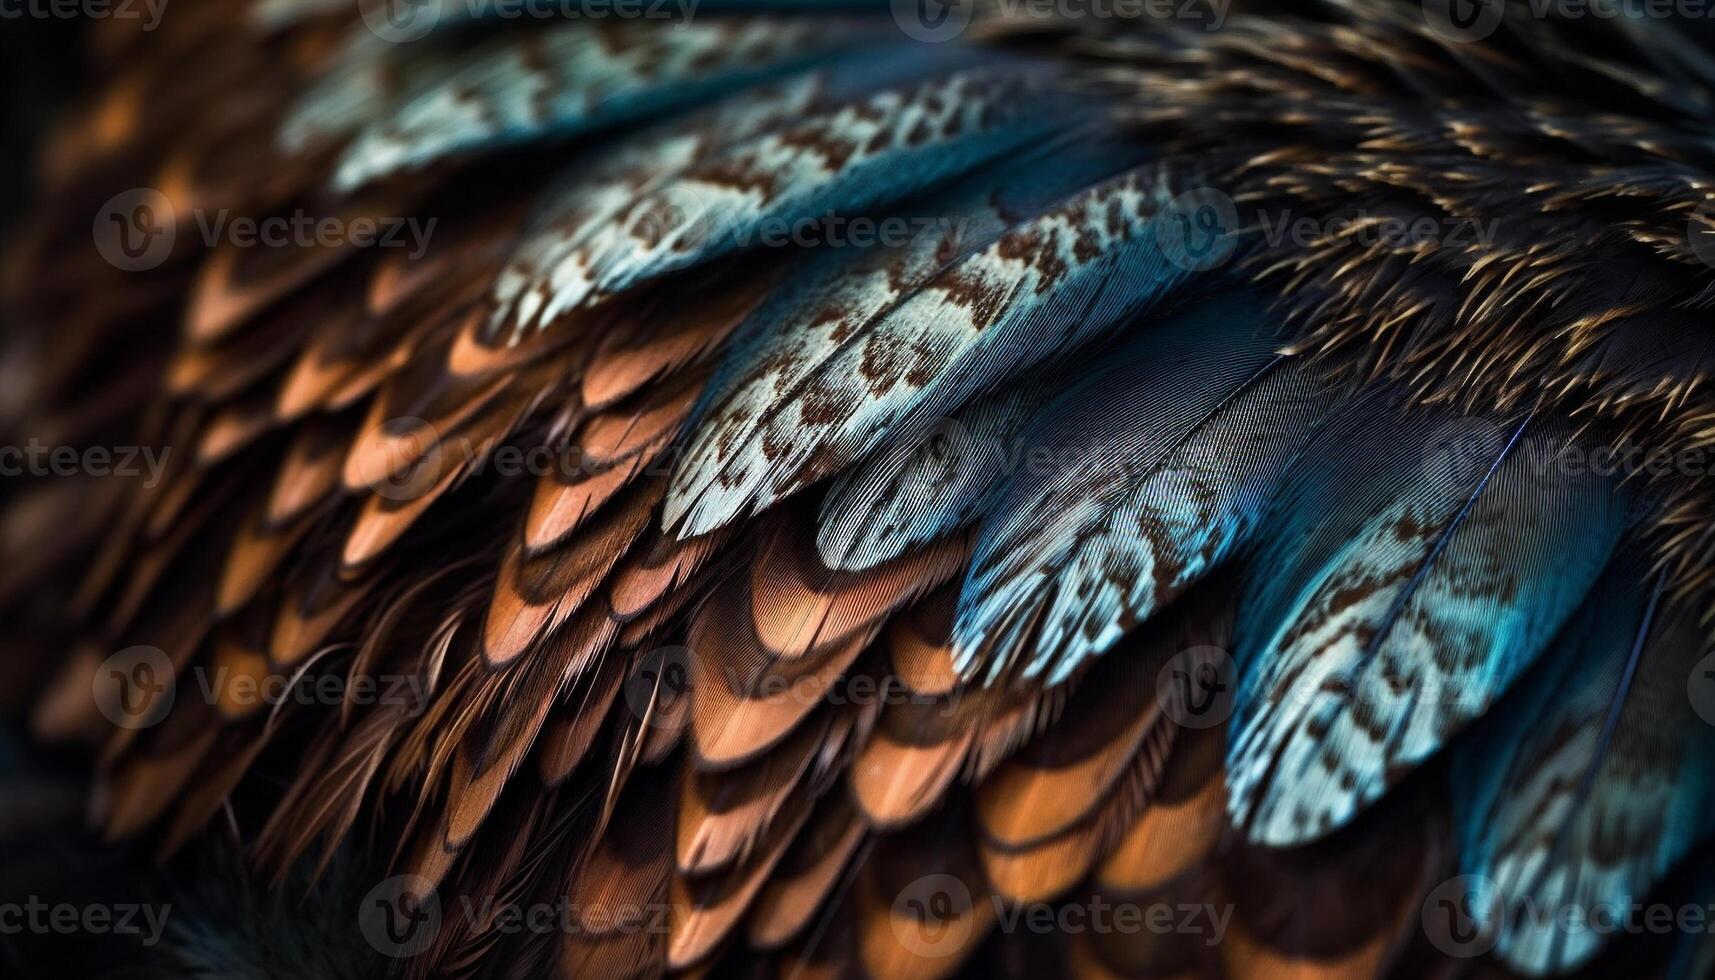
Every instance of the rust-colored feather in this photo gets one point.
(534, 594)
(808, 875)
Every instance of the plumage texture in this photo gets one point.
(1585, 792)
(825, 602)
(1149, 487)
(568, 79)
(1395, 601)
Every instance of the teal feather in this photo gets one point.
(1415, 565)
(1594, 778)
(910, 492)
(845, 160)
(1050, 284)
(1162, 457)
(567, 79)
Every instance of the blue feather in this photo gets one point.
(1159, 462)
(567, 79)
(835, 322)
(1416, 564)
(845, 160)
(1593, 780)
(910, 492)
(551, 271)
(943, 333)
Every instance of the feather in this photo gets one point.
(256, 555)
(651, 573)
(240, 673)
(845, 160)
(537, 593)
(923, 903)
(236, 284)
(702, 913)
(1591, 784)
(1182, 826)
(799, 607)
(1341, 909)
(1149, 483)
(825, 471)
(915, 751)
(830, 372)
(613, 448)
(1071, 795)
(722, 816)
(936, 730)
(547, 271)
(906, 494)
(617, 894)
(309, 471)
(1416, 564)
(567, 79)
(761, 666)
(810, 870)
(312, 607)
(149, 780)
(574, 725)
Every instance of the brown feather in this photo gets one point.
(534, 594)
(799, 889)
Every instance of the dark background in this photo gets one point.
(41, 69)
